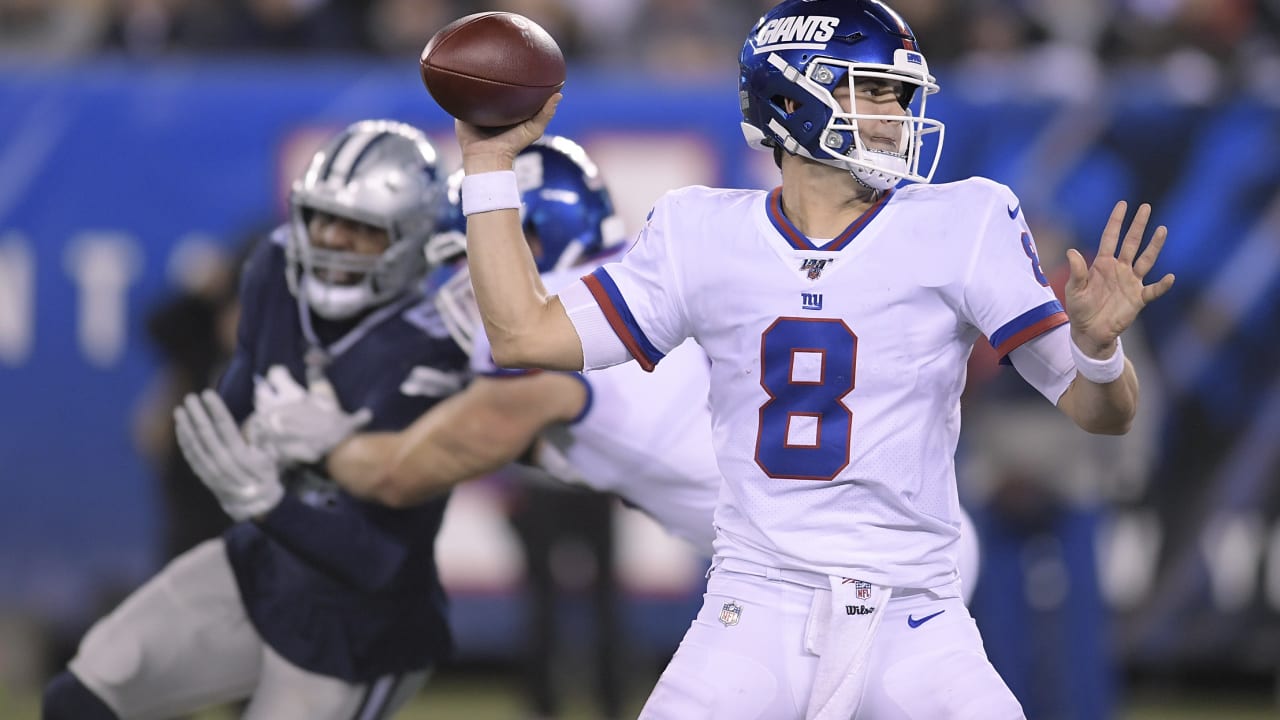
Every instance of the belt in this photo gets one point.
(798, 577)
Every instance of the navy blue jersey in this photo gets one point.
(334, 584)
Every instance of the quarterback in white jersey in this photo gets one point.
(838, 312)
(884, 324)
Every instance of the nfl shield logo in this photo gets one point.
(862, 589)
(730, 614)
(813, 267)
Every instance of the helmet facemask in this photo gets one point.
(339, 284)
(380, 174)
(840, 143)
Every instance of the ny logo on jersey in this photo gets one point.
(814, 266)
(811, 301)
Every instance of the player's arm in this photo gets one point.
(1102, 408)
(1102, 301)
(474, 432)
(527, 326)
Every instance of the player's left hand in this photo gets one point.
(296, 424)
(243, 478)
(1103, 299)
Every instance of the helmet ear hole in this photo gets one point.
(787, 104)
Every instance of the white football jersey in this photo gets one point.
(836, 372)
(644, 437)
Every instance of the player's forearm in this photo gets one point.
(1103, 408)
(526, 327)
(360, 463)
(435, 465)
(456, 442)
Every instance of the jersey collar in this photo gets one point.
(799, 241)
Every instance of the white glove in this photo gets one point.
(298, 425)
(243, 478)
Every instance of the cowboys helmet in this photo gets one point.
(801, 51)
(379, 173)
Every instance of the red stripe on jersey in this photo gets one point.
(1030, 333)
(615, 321)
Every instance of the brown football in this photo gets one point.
(492, 68)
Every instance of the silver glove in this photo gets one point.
(244, 478)
(296, 424)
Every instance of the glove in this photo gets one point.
(244, 478)
(297, 425)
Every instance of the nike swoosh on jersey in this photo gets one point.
(917, 623)
(1013, 211)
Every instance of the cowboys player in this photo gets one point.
(315, 604)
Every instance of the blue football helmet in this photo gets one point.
(566, 213)
(380, 173)
(565, 209)
(802, 50)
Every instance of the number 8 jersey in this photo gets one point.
(837, 367)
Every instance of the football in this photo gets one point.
(492, 69)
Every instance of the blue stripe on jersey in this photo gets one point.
(501, 372)
(586, 405)
(799, 241)
(1027, 326)
(615, 309)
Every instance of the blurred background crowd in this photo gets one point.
(1211, 45)
(144, 142)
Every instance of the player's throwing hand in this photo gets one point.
(1103, 299)
(485, 149)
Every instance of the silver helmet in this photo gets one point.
(379, 173)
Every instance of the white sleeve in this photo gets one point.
(601, 346)
(1007, 295)
(637, 299)
(1045, 362)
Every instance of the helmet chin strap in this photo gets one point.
(879, 178)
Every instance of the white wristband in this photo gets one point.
(487, 191)
(1099, 371)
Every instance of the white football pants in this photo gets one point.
(747, 656)
(183, 641)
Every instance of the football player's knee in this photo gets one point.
(66, 698)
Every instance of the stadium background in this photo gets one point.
(123, 163)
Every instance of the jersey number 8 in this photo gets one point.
(806, 366)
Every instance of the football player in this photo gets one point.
(601, 426)
(598, 428)
(838, 312)
(315, 604)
